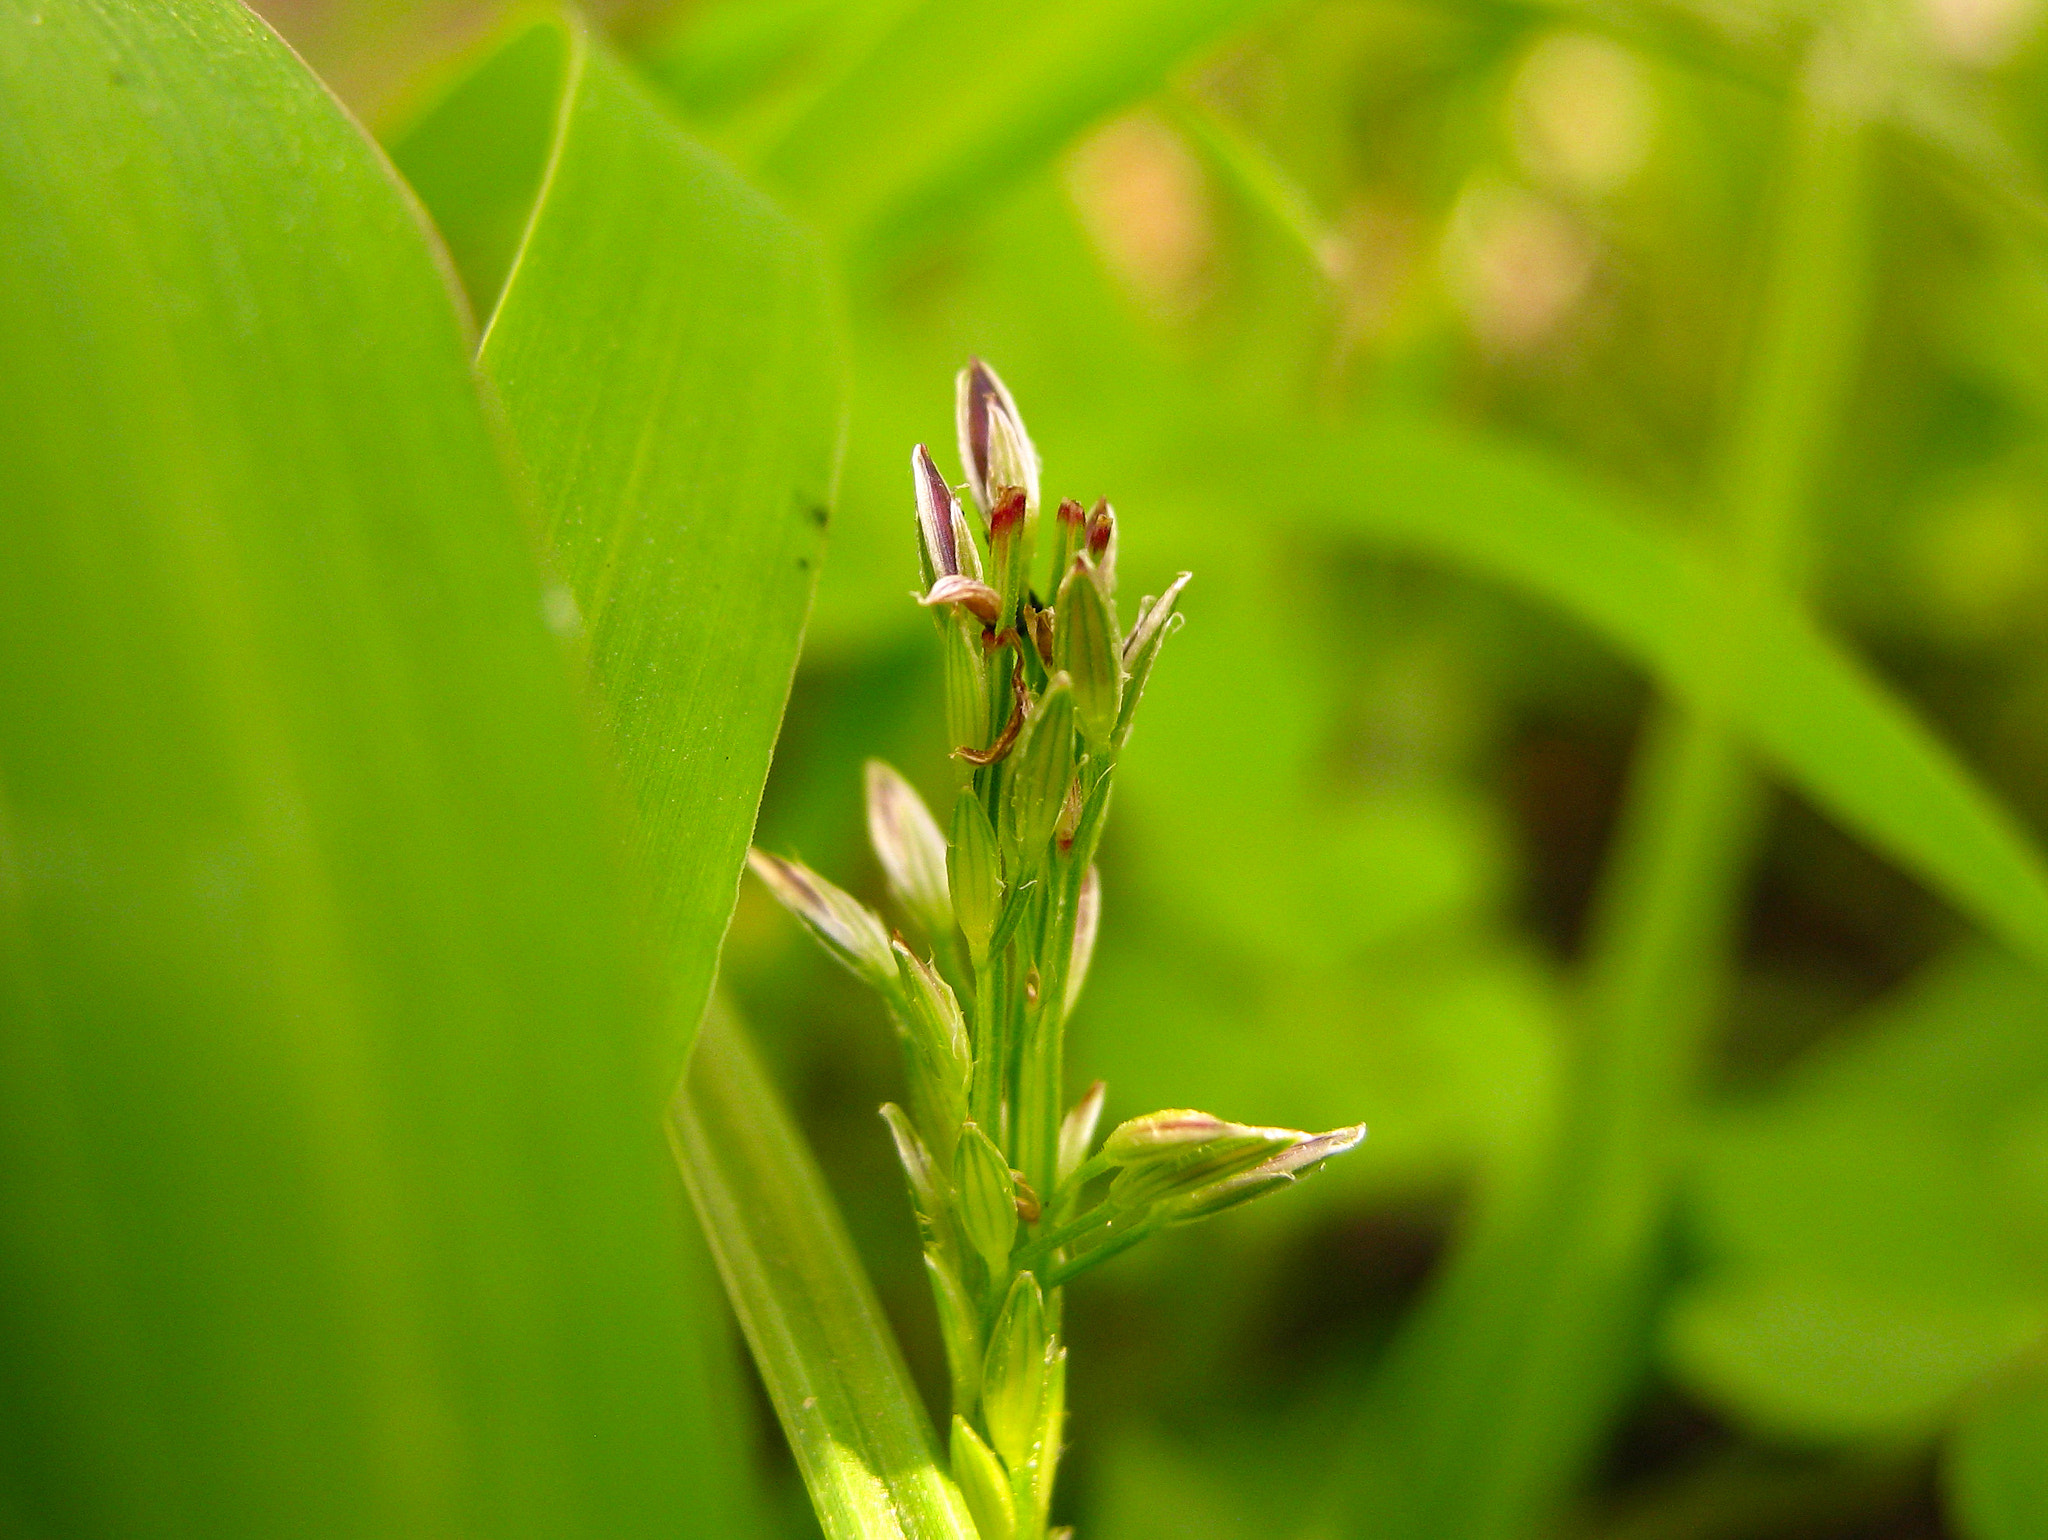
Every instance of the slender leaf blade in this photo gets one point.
(1822, 720)
(666, 361)
(839, 1385)
(955, 104)
(329, 1201)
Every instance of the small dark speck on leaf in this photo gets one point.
(820, 515)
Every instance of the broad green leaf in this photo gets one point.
(663, 354)
(1996, 1468)
(1863, 1267)
(832, 1369)
(330, 1200)
(1843, 1359)
(955, 103)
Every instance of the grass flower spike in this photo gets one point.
(1011, 1203)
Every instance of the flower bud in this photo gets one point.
(959, 1326)
(1013, 1376)
(987, 1198)
(1087, 648)
(983, 1483)
(908, 844)
(937, 514)
(1157, 619)
(1042, 768)
(1009, 543)
(1077, 1130)
(964, 670)
(1277, 1171)
(928, 1189)
(994, 448)
(1012, 462)
(1101, 543)
(1168, 1155)
(844, 926)
(977, 877)
(1052, 1418)
(941, 1059)
(1087, 919)
(1069, 537)
(964, 546)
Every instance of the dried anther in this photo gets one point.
(1028, 1206)
(971, 594)
(1039, 622)
(1070, 817)
(1007, 739)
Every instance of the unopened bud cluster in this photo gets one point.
(1010, 1201)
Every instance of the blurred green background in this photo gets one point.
(1707, 1193)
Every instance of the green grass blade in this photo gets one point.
(1835, 732)
(956, 103)
(664, 355)
(1552, 1308)
(329, 1199)
(861, 1436)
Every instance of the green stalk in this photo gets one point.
(1488, 1412)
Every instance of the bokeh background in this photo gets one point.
(1768, 277)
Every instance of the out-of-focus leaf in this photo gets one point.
(955, 103)
(1863, 1267)
(330, 1202)
(832, 1368)
(1996, 1471)
(1842, 1359)
(476, 154)
(1830, 728)
(664, 356)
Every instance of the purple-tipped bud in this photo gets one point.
(994, 448)
(844, 926)
(938, 512)
(1069, 538)
(1101, 542)
(1009, 544)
